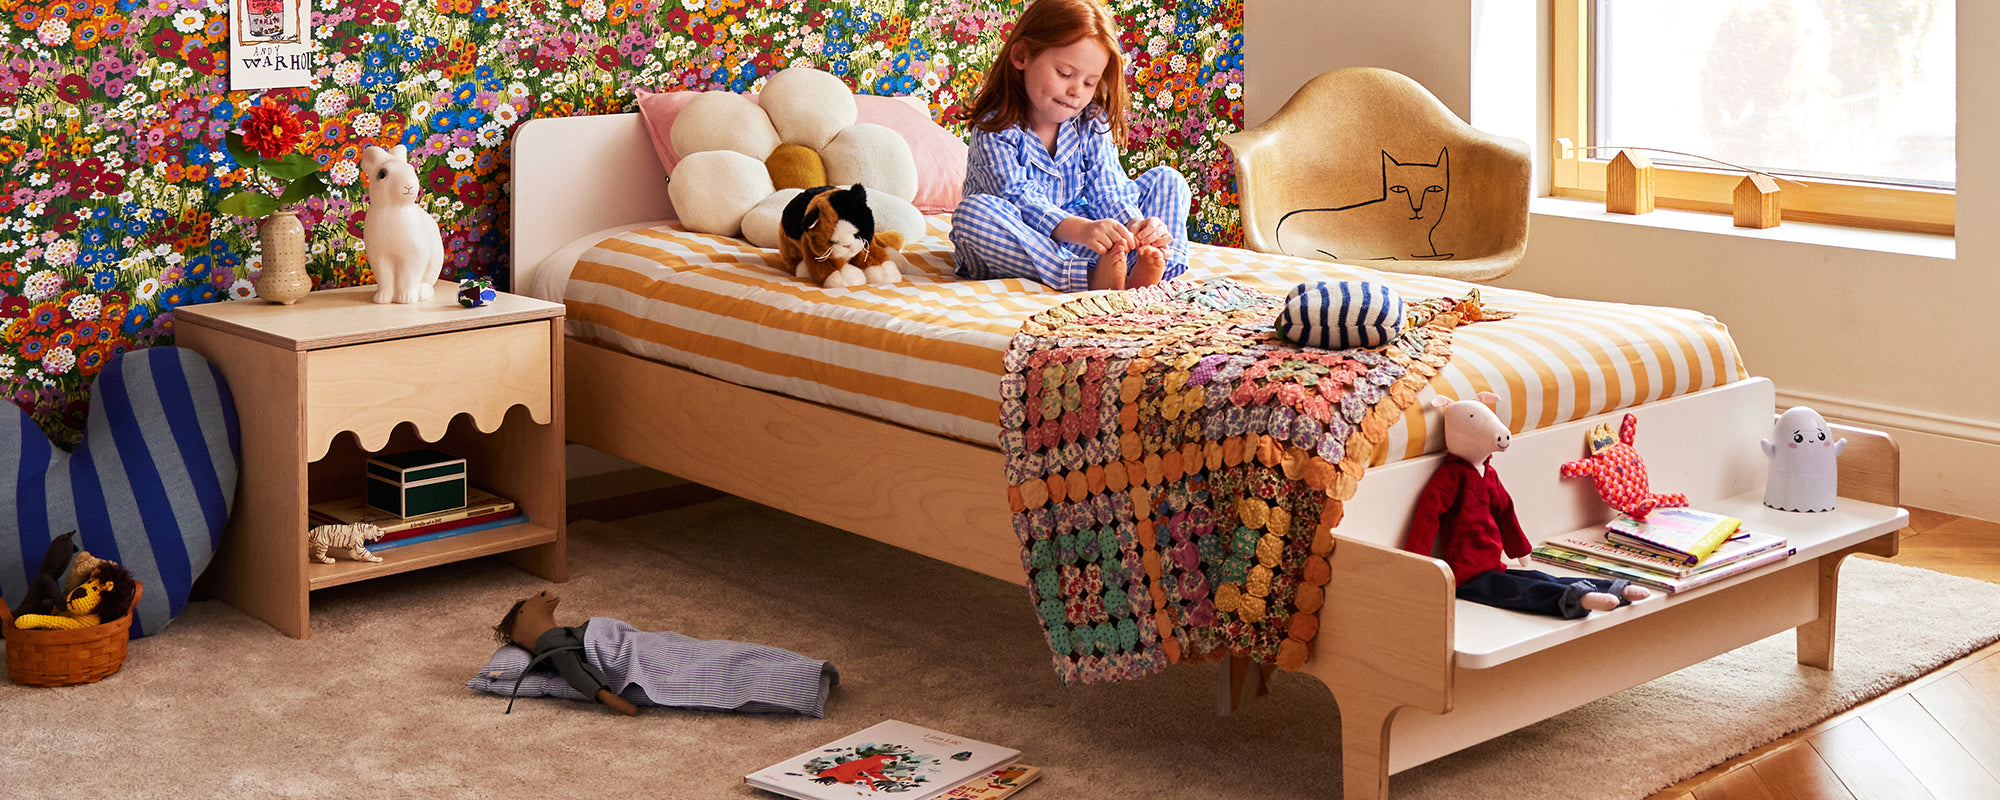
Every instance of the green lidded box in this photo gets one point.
(416, 483)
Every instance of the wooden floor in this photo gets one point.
(1938, 737)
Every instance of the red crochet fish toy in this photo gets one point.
(1620, 476)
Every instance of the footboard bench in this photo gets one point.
(1418, 674)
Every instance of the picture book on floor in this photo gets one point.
(891, 759)
(1687, 533)
(994, 785)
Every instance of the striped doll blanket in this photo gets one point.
(1175, 469)
(662, 668)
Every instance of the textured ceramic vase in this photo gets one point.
(284, 279)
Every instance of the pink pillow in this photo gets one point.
(940, 156)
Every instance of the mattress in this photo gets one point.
(926, 352)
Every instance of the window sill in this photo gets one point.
(1806, 233)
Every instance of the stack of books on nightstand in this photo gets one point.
(483, 510)
(1672, 549)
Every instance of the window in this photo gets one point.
(1851, 102)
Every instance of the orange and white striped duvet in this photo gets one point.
(926, 352)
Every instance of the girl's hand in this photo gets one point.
(1150, 231)
(1100, 235)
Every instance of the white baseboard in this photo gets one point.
(1947, 462)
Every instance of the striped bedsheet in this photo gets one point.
(926, 352)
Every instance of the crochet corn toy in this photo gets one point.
(81, 604)
(1620, 476)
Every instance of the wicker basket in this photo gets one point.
(67, 657)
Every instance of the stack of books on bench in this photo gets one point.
(1672, 549)
(483, 511)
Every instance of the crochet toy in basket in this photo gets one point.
(66, 632)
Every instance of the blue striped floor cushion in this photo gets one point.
(150, 487)
(1337, 315)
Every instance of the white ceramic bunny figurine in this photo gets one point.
(404, 247)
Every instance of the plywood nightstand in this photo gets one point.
(322, 385)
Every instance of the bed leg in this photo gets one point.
(1816, 637)
(1241, 681)
(1364, 747)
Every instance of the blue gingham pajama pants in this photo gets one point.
(990, 239)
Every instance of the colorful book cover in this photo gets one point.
(996, 784)
(1687, 532)
(1743, 545)
(356, 509)
(891, 759)
(434, 533)
(1644, 577)
(426, 530)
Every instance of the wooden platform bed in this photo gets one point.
(1416, 673)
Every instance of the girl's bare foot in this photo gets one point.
(1634, 592)
(1151, 266)
(1110, 270)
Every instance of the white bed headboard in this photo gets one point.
(575, 175)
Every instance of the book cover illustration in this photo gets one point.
(994, 785)
(890, 759)
(1686, 532)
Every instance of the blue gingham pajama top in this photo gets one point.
(1016, 193)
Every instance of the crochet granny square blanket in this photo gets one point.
(1175, 468)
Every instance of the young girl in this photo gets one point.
(1045, 196)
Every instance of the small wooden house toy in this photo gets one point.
(416, 482)
(1756, 202)
(1628, 184)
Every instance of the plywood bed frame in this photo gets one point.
(1392, 637)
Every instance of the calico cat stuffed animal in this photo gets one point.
(830, 234)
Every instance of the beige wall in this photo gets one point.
(1885, 340)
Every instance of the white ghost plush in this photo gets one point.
(1804, 473)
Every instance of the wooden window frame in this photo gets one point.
(1581, 173)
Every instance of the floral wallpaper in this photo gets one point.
(114, 113)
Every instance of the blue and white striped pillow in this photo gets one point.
(1338, 315)
(150, 488)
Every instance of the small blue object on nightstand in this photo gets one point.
(476, 292)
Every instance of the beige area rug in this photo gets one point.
(374, 704)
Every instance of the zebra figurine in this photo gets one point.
(352, 537)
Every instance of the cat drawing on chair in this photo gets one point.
(1396, 224)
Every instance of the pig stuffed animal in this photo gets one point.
(1466, 518)
(401, 238)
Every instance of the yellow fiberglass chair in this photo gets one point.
(1364, 166)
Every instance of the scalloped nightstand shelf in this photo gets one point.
(324, 384)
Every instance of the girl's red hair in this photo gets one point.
(1003, 100)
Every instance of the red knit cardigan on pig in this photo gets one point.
(1474, 515)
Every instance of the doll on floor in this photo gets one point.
(623, 667)
(531, 624)
(1466, 518)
